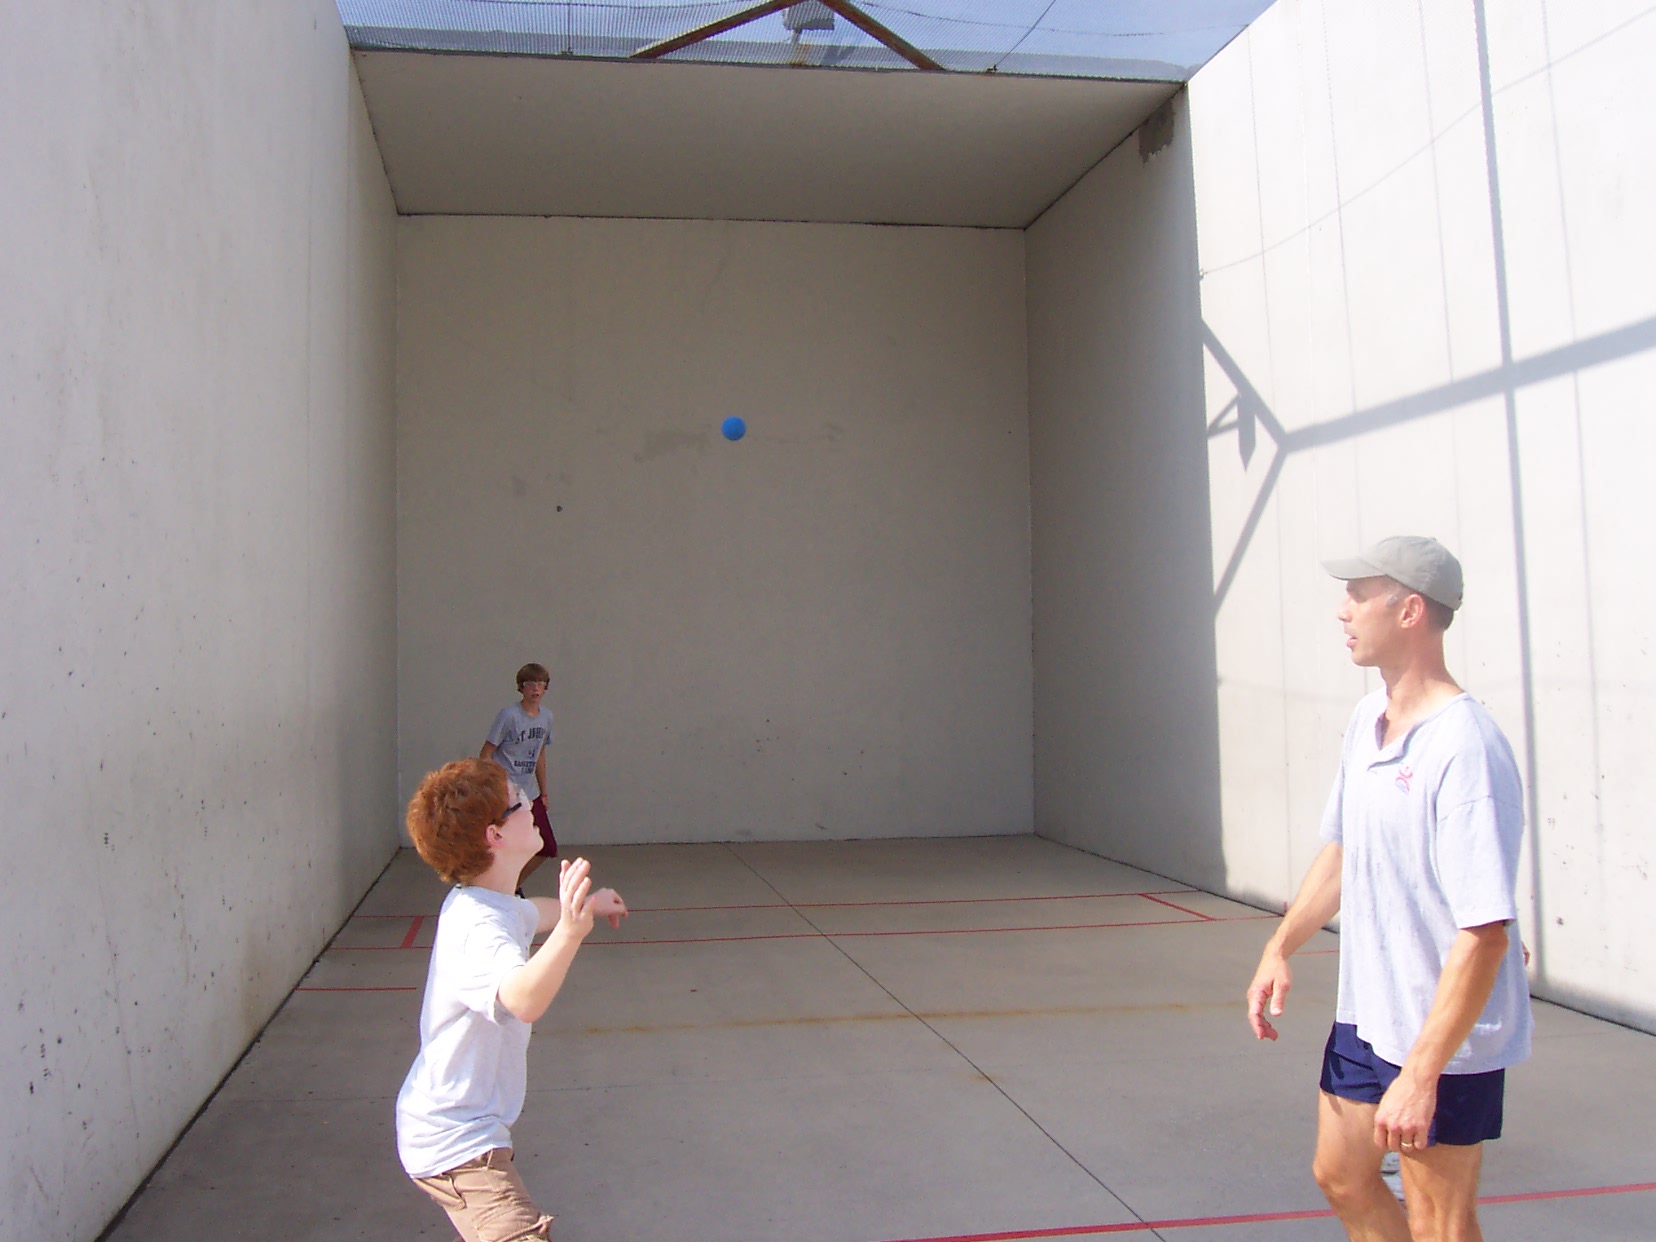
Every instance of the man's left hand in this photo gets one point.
(1403, 1121)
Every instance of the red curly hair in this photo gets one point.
(449, 813)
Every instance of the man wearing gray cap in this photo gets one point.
(1422, 833)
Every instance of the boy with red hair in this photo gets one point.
(483, 990)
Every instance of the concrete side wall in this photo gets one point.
(1125, 740)
(197, 689)
(819, 631)
(1429, 305)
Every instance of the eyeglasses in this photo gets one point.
(509, 812)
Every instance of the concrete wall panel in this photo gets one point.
(1462, 345)
(196, 700)
(819, 631)
(1126, 757)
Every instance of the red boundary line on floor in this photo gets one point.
(1174, 906)
(1532, 1196)
(416, 921)
(940, 931)
(852, 905)
(1194, 920)
(923, 901)
(1203, 1222)
(303, 988)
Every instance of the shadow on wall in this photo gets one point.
(1248, 417)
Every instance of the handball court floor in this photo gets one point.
(983, 1038)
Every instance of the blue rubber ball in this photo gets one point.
(733, 428)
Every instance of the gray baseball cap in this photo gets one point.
(1421, 564)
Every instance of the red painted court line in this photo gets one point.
(1126, 1226)
(1193, 921)
(1629, 1189)
(413, 930)
(306, 989)
(372, 948)
(1194, 913)
(848, 905)
(978, 931)
(1253, 1218)
(939, 931)
(924, 901)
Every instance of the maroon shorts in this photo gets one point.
(543, 821)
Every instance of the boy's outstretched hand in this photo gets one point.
(575, 897)
(607, 904)
(528, 990)
(578, 902)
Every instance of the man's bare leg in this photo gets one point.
(1347, 1168)
(1441, 1183)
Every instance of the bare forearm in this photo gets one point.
(1317, 901)
(546, 913)
(528, 991)
(487, 751)
(1463, 990)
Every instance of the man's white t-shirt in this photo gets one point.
(1430, 829)
(466, 1086)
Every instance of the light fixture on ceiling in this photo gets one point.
(808, 15)
(800, 15)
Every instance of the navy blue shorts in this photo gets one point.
(1468, 1105)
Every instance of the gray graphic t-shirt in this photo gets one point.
(518, 740)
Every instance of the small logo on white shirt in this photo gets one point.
(1404, 776)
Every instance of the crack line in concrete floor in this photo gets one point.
(946, 1041)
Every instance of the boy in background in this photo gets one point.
(517, 742)
(484, 988)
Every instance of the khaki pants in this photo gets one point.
(486, 1200)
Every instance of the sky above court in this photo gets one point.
(1161, 40)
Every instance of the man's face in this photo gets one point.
(1371, 623)
(533, 692)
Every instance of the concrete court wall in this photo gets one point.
(197, 695)
(1428, 300)
(819, 632)
(1126, 744)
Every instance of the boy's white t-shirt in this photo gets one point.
(1430, 827)
(466, 1086)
